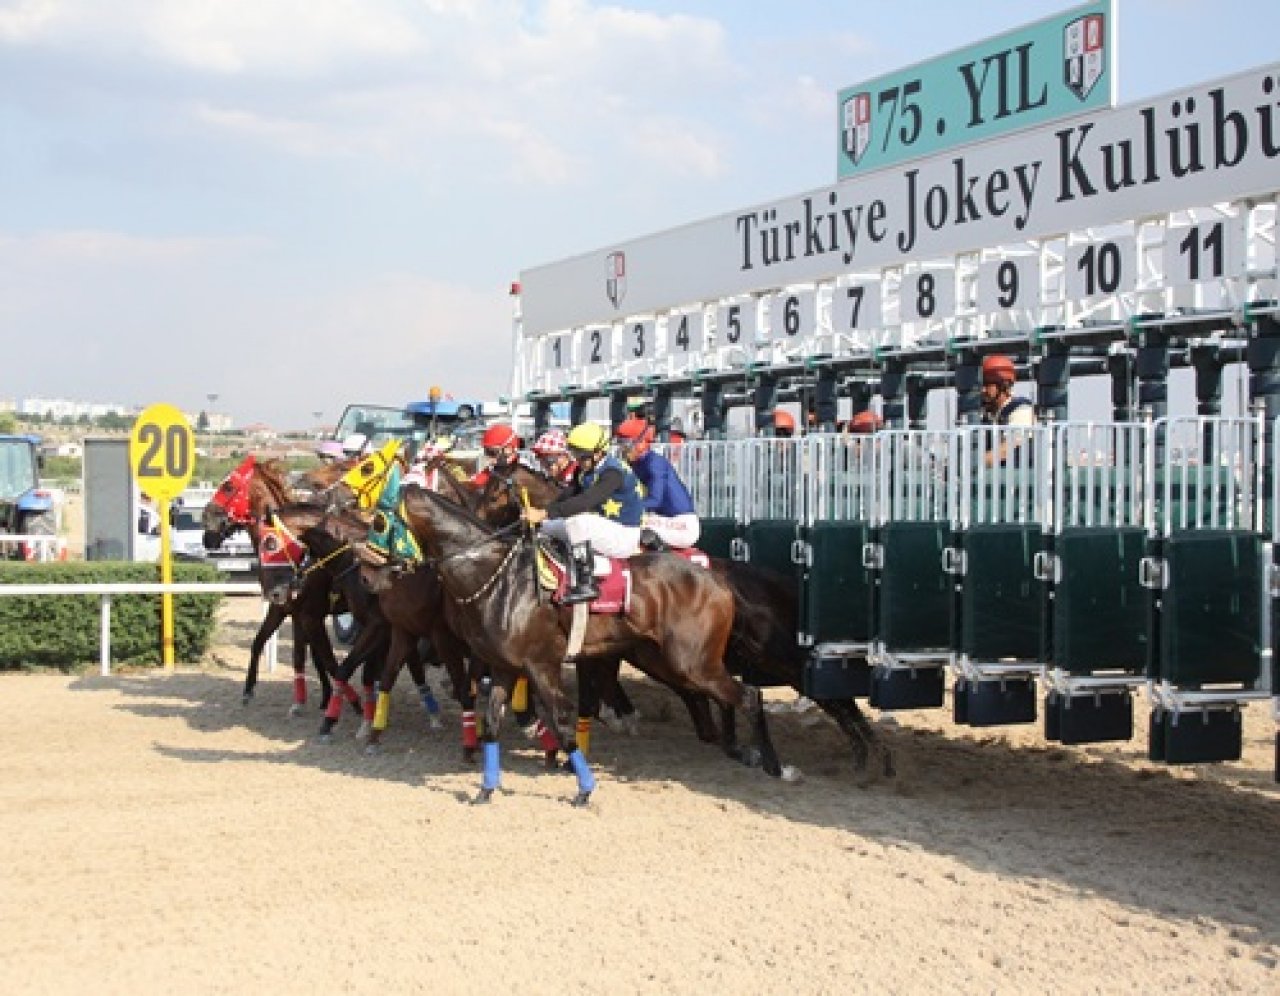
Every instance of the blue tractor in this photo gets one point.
(26, 509)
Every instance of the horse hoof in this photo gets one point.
(530, 731)
(483, 797)
(372, 749)
(581, 800)
(365, 731)
(549, 759)
(324, 738)
(433, 723)
(469, 755)
(611, 719)
(295, 710)
(750, 756)
(631, 725)
(792, 774)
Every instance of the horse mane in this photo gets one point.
(274, 476)
(414, 490)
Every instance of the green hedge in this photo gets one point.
(62, 630)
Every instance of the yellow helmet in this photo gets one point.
(589, 437)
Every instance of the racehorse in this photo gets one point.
(256, 497)
(675, 629)
(765, 623)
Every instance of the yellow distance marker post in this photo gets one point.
(162, 452)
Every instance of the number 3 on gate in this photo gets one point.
(162, 452)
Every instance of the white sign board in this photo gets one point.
(1200, 145)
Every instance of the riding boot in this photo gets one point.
(649, 540)
(584, 587)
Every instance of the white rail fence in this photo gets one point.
(105, 592)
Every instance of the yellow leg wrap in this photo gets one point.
(383, 712)
(583, 735)
(520, 695)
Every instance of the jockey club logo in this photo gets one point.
(615, 278)
(1084, 52)
(856, 128)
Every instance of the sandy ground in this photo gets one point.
(157, 837)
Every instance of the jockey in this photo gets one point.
(552, 451)
(602, 509)
(668, 509)
(421, 471)
(502, 448)
(784, 423)
(330, 451)
(1000, 406)
(864, 423)
(356, 445)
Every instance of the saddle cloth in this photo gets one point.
(613, 574)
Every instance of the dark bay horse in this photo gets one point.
(765, 624)
(249, 493)
(676, 629)
(256, 497)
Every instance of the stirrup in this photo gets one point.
(581, 593)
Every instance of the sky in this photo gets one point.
(296, 204)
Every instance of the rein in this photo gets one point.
(470, 551)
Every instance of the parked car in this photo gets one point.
(186, 530)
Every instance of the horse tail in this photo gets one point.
(765, 621)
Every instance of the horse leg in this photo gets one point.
(704, 724)
(494, 694)
(271, 622)
(838, 710)
(342, 676)
(300, 673)
(553, 704)
(760, 727)
(418, 672)
(614, 707)
(399, 647)
(871, 738)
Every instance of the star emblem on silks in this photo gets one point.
(612, 508)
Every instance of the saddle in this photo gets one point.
(613, 574)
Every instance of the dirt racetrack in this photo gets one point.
(157, 837)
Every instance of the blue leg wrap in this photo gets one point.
(586, 780)
(428, 700)
(492, 766)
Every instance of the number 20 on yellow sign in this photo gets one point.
(162, 453)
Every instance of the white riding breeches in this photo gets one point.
(679, 531)
(607, 538)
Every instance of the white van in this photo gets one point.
(186, 535)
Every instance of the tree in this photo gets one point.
(202, 422)
(8, 423)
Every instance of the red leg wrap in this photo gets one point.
(469, 730)
(547, 739)
(370, 703)
(299, 688)
(334, 710)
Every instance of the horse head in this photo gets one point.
(248, 494)
(510, 490)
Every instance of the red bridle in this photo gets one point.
(232, 495)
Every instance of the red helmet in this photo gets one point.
(635, 435)
(998, 369)
(551, 443)
(867, 421)
(783, 422)
(500, 436)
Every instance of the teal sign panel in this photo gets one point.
(1058, 67)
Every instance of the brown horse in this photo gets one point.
(675, 629)
(250, 495)
(765, 623)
